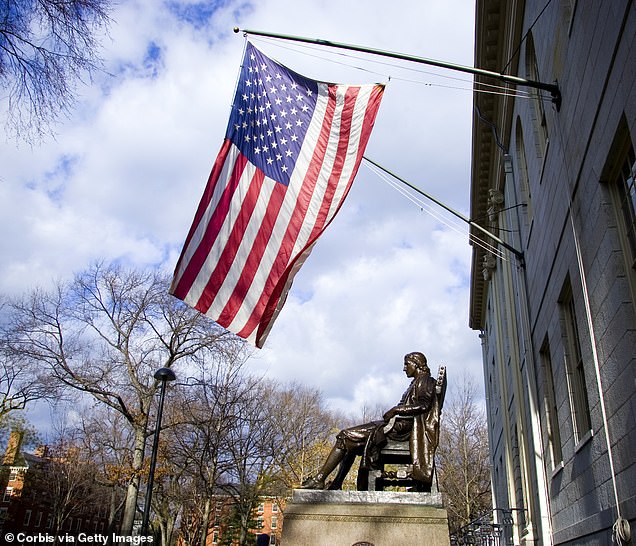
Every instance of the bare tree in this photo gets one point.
(170, 486)
(281, 433)
(206, 413)
(304, 429)
(46, 46)
(232, 434)
(252, 458)
(105, 334)
(20, 383)
(108, 442)
(463, 458)
(68, 478)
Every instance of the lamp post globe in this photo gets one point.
(165, 374)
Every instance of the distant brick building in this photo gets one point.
(28, 503)
(267, 519)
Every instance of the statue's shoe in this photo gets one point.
(313, 483)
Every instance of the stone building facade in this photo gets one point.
(554, 180)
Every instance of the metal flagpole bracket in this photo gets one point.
(551, 88)
(470, 222)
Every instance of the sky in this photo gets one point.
(123, 175)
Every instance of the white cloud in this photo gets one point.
(125, 173)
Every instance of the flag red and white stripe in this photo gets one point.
(292, 149)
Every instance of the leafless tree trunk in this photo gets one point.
(132, 492)
(227, 431)
(205, 522)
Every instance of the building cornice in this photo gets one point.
(498, 25)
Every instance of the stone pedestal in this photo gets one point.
(377, 518)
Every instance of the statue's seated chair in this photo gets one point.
(397, 455)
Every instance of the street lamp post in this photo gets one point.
(164, 375)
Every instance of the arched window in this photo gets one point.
(538, 110)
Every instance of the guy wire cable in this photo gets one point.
(454, 225)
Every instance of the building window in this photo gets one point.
(549, 402)
(38, 519)
(274, 507)
(626, 187)
(518, 472)
(272, 540)
(215, 537)
(538, 109)
(259, 522)
(8, 492)
(274, 522)
(577, 386)
(525, 196)
(261, 507)
(13, 475)
(49, 521)
(622, 176)
(27, 517)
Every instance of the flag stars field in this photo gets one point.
(273, 98)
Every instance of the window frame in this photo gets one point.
(555, 444)
(619, 176)
(575, 369)
(8, 494)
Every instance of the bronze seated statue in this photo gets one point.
(415, 419)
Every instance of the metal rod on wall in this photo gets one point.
(552, 88)
(470, 222)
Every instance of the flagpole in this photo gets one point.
(553, 89)
(503, 243)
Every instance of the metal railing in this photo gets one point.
(484, 531)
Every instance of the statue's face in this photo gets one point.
(410, 369)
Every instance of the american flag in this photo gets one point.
(292, 148)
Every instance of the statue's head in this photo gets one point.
(419, 360)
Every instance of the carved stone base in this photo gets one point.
(376, 518)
